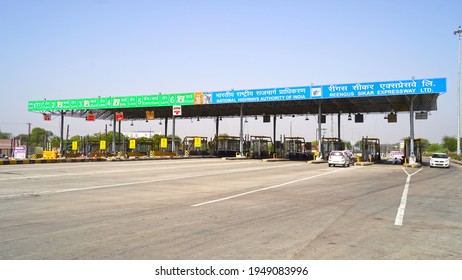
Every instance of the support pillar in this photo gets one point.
(216, 135)
(120, 128)
(114, 135)
(166, 126)
(217, 126)
(338, 128)
(28, 141)
(274, 133)
(61, 141)
(319, 132)
(173, 135)
(241, 133)
(411, 134)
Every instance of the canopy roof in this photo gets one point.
(372, 97)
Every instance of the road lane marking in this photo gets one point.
(239, 170)
(402, 206)
(264, 189)
(92, 172)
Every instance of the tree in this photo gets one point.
(347, 145)
(75, 138)
(39, 137)
(4, 135)
(55, 142)
(450, 143)
(433, 148)
(424, 143)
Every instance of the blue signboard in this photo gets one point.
(260, 95)
(404, 87)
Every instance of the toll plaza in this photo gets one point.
(415, 96)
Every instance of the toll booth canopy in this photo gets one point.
(390, 97)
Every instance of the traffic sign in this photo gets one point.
(163, 143)
(74, 145)
(119, 116)
(132, 144)
(102, 144)
(197, 142)
(177, 110)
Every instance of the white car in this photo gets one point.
(338, 158)
(439, 160)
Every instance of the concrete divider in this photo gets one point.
(39, 161)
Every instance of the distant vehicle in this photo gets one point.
(338, 158)
(439, 160)
(348, 153)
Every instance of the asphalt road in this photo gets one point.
(235, 209)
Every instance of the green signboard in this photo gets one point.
(177, 99)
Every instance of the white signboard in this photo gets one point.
(177, 110)
(19, 152)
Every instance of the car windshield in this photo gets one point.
(336, 154)
(439, 156)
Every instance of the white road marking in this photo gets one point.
(402, 207)
(92, 172)
(239, 170)
(264, 189)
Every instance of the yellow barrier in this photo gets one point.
(50, 154)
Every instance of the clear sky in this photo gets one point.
(89, 48)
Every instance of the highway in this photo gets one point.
(229, 210)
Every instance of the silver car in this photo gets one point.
(338, 158)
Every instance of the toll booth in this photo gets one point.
(259, 146)
(417, 149)
(330, 144)
(195, 145)
(144, 146)
(296, 148)
(165, 145)
(93, 148)
(227, 146)
(278, 149)
(370, 148)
